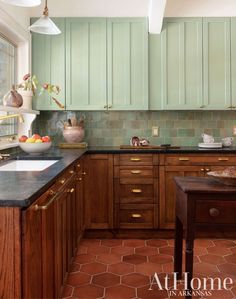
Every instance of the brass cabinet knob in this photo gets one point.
(72, 190)
(83, 173)
(62, 181)
(214, 212)
(136, 191)
(208, 169)
(71, 171)
(135, 216)
(203, 169)
(78, 165)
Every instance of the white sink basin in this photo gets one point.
(27, 165)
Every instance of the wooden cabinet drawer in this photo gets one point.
(211, 211)
(131, 216)
(135, 172)
(65, 177)
(200, 160)
(136, 159)
(136, 193)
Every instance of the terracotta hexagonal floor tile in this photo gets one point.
(167, 250)
(212, 259)
(161, 259)
(67, 291)
(225, 243)
(146, 251)
(121, 268)
(93, 268)
(74, 267)
(218, 250)
(106, 279)
(109, 258)
(77, 279)
(134, 243)
(200, 250)
(90, 242)
(88, 292)
(148, 268)
(228, 268)
(97, 249)
(84, 258)
(135, 280)
(157, 243)
(231, 259)
(168, 268)
(145, 293)
(112, 242)
(203, 243)
(224, 294)
(134, 259)
(120, 292)
(82, 250)
(205, 268)
(232, 249)
(122, 250)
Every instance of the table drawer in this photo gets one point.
(137, 193)
(136, 171)
(219, 212)
(136, 159)
(131, 216)
(200, 160)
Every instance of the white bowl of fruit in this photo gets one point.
(35, 144)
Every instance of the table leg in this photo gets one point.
(189, 257)
(178, 253)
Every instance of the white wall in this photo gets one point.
(19, 15)
(137, 8)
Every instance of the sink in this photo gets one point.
(38, 158)
(27, 165)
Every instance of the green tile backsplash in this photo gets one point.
(115, 128)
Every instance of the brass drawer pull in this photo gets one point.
(223, 159)
(62, 181)
(136, 171)
(136, 216)
(202, 169)
(208, 169)
(135, 159)
(78, 165)
(45, 207)
(214, 212)
(72, 190)
(184, 159)
(79, 179)
(136, 191)
(84, 173)
(71, 171)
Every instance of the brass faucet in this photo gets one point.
(20, 117)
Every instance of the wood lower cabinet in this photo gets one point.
(51, 228)
(98, 191)
(136, 191)
(184, 165)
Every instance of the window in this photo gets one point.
(7, 79)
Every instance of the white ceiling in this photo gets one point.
(110, 8)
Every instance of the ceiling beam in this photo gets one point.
(156, 15)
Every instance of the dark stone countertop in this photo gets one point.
(21, 189)
(184, 149)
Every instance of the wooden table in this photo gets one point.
(200, 201)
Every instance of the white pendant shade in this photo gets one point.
(45, 25)
(25, 3)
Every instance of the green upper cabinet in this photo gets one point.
(127, 63)
(48, 64)
(180, 69)
(86, 65)
(233, 62)
(216, 63)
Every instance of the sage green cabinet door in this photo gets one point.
(48, 64)
(128, 63)
(86, 55)
(233, 62)
(216, 53)
(181, 56)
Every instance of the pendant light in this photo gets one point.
(45, 25)
(25, 3)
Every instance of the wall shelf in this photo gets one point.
(18, 110)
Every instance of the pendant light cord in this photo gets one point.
(45, 12)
